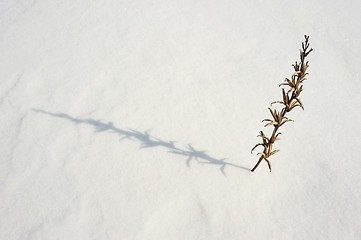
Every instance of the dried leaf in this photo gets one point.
(299, 101)
(269, 120)
(271, 123)
(258, 144)
(288, 120)
(275, 151)
(271, 113)
(277, 102)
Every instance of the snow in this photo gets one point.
(135, 120)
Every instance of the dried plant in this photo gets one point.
(290, 101)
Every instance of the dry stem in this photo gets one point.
(290, 101)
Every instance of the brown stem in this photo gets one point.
(259, 161)
(269, 143)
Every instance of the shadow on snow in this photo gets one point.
(147, 141)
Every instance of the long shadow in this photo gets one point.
(147, 141)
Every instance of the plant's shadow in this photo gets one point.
(147, 141)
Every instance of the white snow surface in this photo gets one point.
(135, 119)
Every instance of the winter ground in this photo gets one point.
(135, 120)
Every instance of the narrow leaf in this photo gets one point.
(288, 120)
(299, 101)
(273, 115)
(273, 152)
(284, 96)
(258, 144)
(277, 102)
(271, 123)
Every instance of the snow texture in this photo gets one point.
(135, 119)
